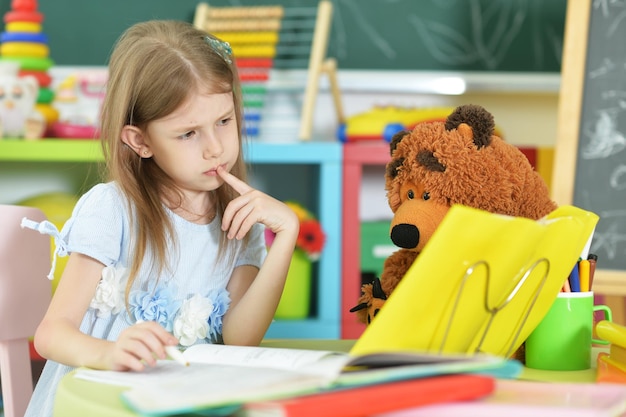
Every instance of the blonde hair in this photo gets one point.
(152, 70)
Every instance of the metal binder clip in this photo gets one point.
(496, 309)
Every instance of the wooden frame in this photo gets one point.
(611, 283)
(319, 64)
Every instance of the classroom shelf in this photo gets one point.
(326, 156)
(50, 150)
(355, 156)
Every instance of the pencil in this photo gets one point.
(593, 260)
(574, 279)
(177, 355)
(583, 269)
(566, 287)
(172, 351)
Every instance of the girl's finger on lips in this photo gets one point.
(238, 185)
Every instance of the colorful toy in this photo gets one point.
(382, 122)
(438, 164)
(79, 98)
(263, 38)
(612, 365)
(24, 43)
(18, 117)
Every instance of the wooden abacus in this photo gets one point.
(267, 37)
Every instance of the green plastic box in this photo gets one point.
(376, 246)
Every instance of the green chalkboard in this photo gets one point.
(463, 35)
(601, 160)
(590, 159)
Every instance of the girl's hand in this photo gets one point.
(140, 345)
(254, 206)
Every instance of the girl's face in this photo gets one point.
(190, 143)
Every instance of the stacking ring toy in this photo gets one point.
(43, 78)
(45, 96)
(48, 112)
(30, 63)
(35, 50)
(23, 37)
(23, 16)
(24, 27)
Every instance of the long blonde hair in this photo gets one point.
(153, 68)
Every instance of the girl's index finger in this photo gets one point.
(238, 185)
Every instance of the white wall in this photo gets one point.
(524, 105)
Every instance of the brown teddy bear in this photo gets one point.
(437, 164)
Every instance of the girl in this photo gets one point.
(169, 251)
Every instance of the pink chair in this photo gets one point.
(25, 293)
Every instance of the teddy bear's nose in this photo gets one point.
(405, 236)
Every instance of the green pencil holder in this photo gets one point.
(295, 301)
(562, 340)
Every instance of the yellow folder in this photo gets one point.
(481, 284)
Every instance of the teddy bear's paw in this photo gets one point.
(374, 308)
(370, 302)
(364, 302)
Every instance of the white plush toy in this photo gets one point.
(18, 95)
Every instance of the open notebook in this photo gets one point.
(481, 284)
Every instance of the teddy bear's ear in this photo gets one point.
(396, 139)
(479, 119)
(392, 167)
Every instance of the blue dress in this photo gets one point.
(189, 298)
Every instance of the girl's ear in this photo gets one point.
(133, 137)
